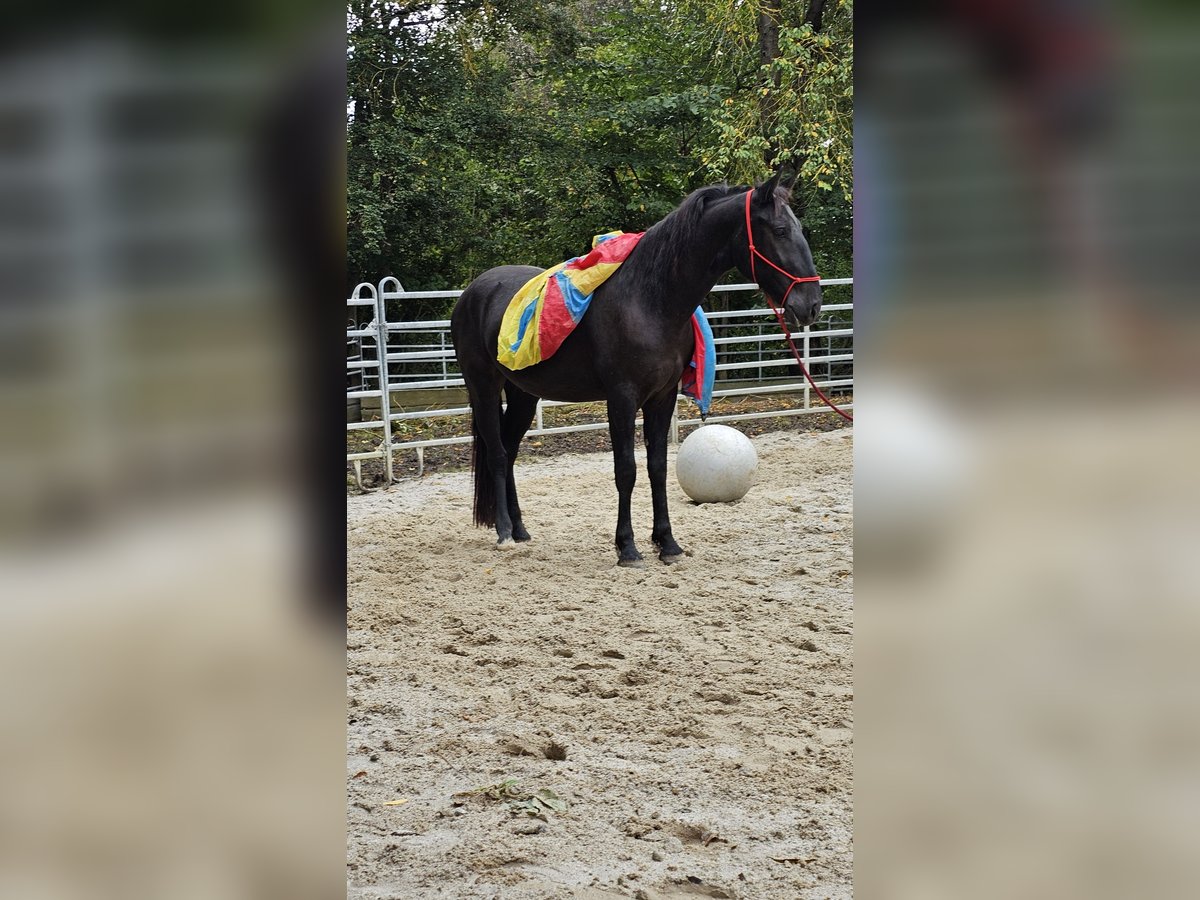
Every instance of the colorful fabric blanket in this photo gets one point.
(548, 307)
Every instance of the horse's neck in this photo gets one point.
(709, 257)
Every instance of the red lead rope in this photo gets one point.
(787, 334)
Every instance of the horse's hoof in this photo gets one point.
(671, 558)
(520, 535)
(506, 544)
(638, 563)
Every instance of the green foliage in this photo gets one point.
(797, 111)
(511, 132)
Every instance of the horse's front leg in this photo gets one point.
(622, 414)
(658, 412)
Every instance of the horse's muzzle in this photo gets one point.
(804, 306)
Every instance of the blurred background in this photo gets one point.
(1026, 494)
(170, 641)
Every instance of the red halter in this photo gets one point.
(796, 279)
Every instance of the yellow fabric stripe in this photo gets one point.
(587, 280)
(529, 351)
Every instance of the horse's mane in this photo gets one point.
(670, 238)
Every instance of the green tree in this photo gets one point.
(499, 132)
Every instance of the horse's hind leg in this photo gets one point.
(657, 424)
(519, 414)
(491, 461)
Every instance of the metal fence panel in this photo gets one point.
(393, 359)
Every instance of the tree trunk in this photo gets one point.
(769, 14)
(768, 31)
(813, 17)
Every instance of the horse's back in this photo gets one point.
(494, 288)
(477, 314)
(475, 320)
(614, 341)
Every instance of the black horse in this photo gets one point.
(631, 347)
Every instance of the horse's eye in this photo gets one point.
(780, 230)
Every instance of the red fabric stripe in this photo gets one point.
(693, 378)
(618, 248)
(698, 353)
(556, 322)
(613, 250)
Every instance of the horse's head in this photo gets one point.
(777, 255)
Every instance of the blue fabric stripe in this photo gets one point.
(710, 362)
(575, 301)
(526, 318)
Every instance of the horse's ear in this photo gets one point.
(788, 181)
(765, 192)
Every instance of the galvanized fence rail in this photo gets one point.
(389, 361)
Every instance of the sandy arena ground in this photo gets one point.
(695, 719)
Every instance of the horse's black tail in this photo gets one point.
(485, 484)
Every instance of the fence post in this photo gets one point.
(761, 370)
(808, 366)
(385, 397)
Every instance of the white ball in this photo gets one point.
(716, 464)
(913, 470)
